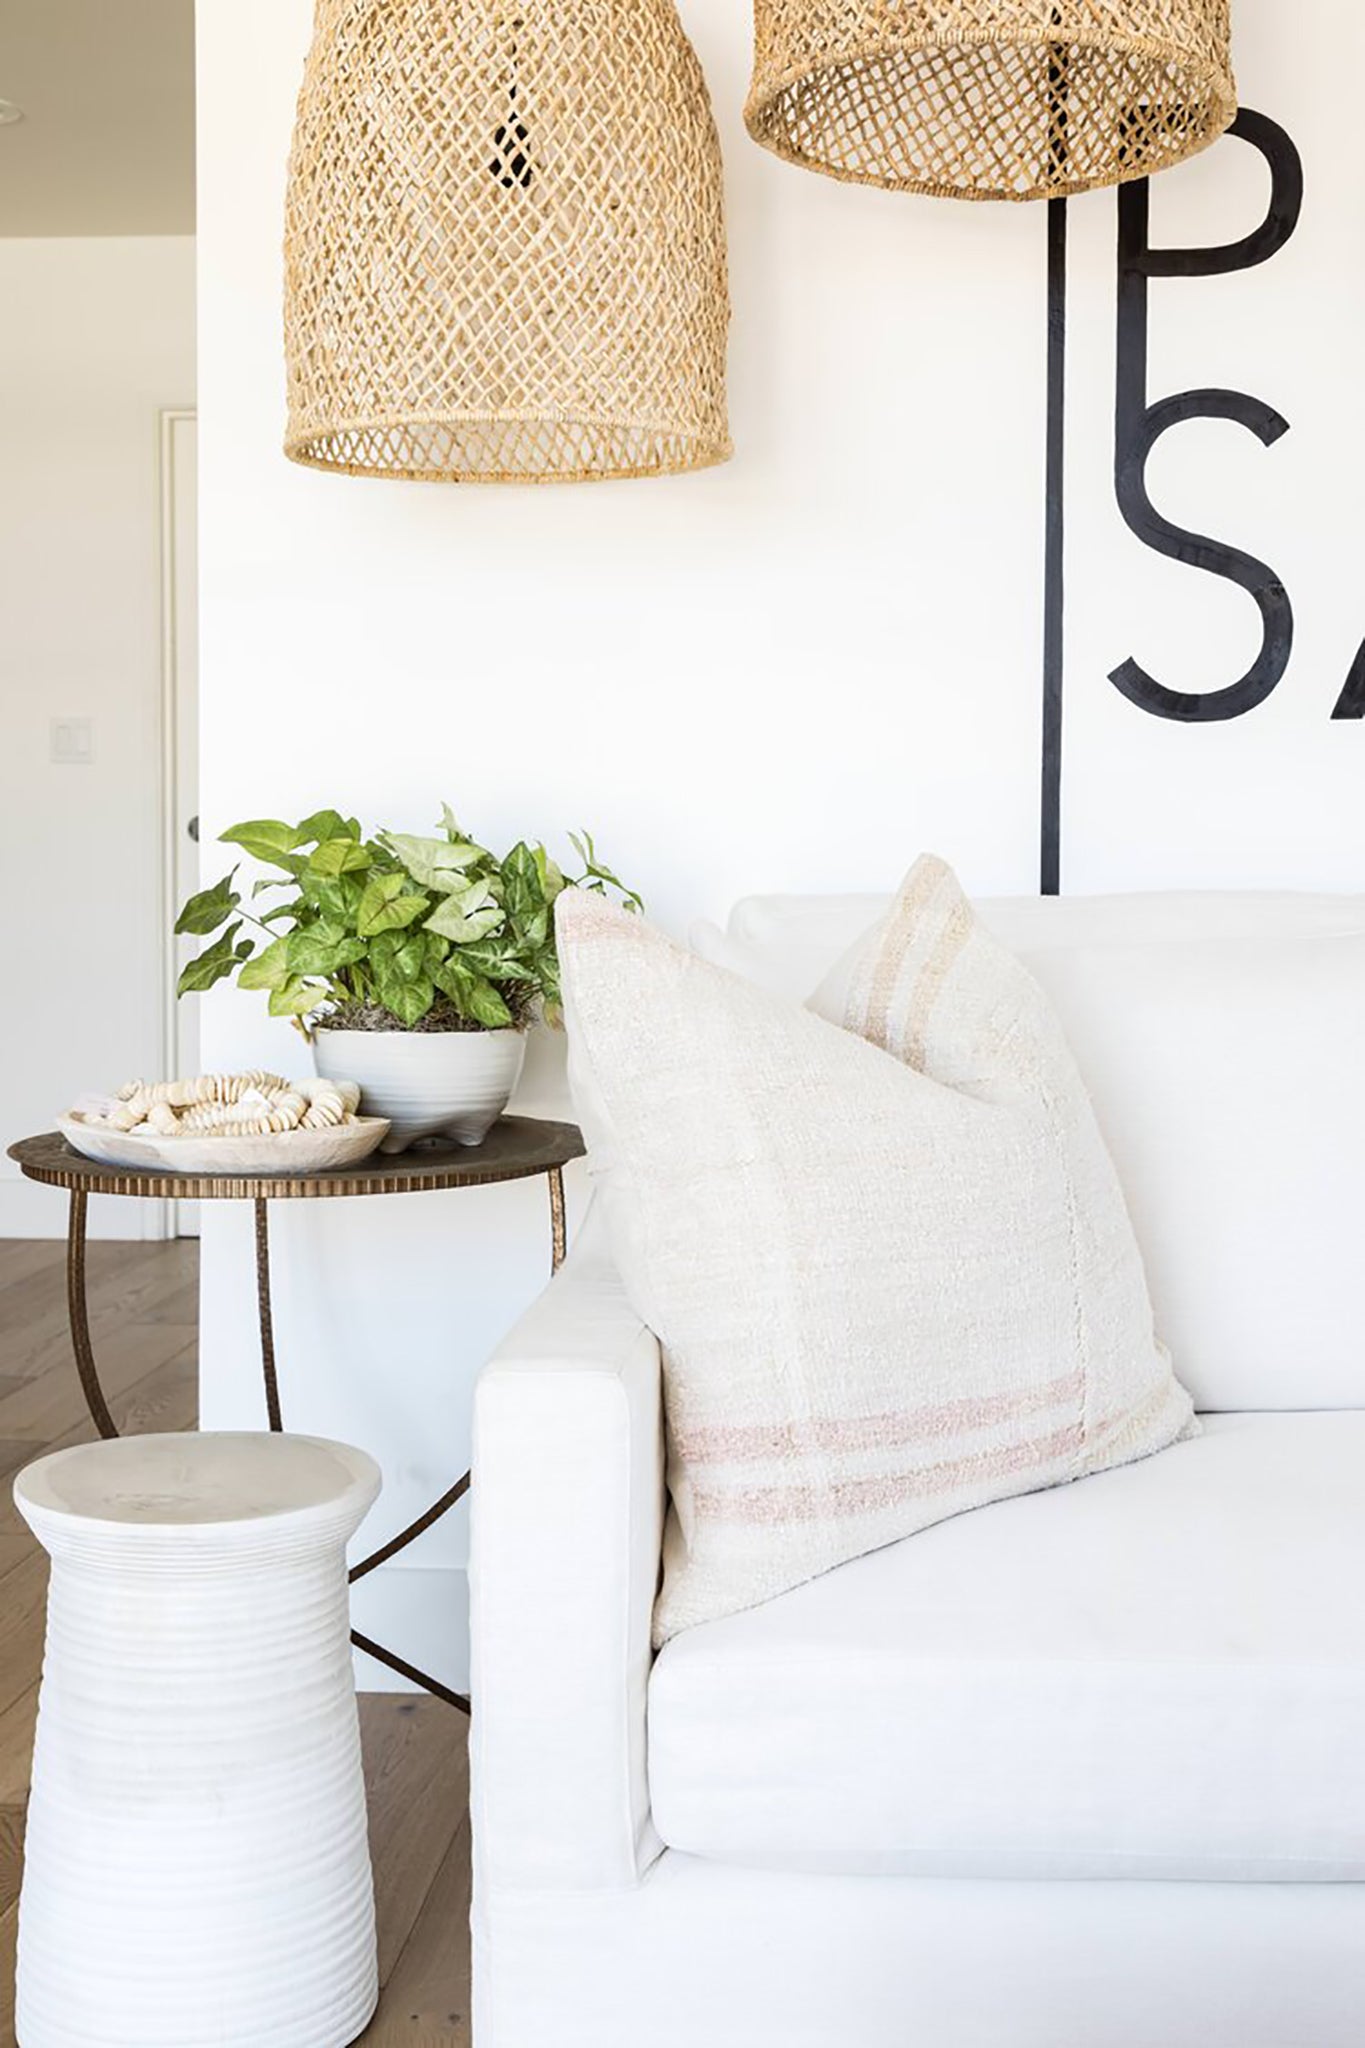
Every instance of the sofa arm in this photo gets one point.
(567, 1522)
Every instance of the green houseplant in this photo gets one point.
(413, 964)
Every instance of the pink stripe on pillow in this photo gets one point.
(775, 1504)
(738, 1443)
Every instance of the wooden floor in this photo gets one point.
(143, 1302)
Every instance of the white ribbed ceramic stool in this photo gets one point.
(197, 1870)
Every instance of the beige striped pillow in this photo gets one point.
(892, 1280)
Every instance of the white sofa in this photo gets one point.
(1080, 1770)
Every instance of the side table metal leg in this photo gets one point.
(413, 1531)
(558, 1233)
(79, 1317)
(406, 1670)
(438, 1508)
(268, 1373)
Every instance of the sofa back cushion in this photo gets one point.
(1222, 1038)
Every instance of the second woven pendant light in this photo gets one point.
(504, 245)
(990, 99)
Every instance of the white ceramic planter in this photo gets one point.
(428, 1084)
(196, 1869)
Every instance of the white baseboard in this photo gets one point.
(421, 1615)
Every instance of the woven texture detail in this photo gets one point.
(990, 99)
(504, 245)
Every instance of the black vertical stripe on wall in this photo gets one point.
(1054, 568)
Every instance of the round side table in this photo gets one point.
(517, 1148)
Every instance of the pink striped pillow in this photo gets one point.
(890, 1264)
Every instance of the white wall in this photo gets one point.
(96, 336)
(794, 671)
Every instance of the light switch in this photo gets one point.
(73, 742)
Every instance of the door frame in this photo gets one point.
(171, 422)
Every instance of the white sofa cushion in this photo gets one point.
(1220, 1037)
(1158, 1672)
(885, 1292)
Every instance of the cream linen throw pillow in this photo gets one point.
(889, 1264)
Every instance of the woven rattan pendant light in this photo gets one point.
(990, 99)
(504, 244)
